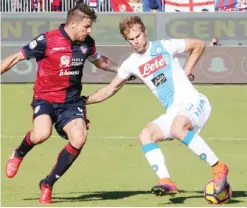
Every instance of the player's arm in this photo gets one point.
(35, 49)
(120, 79)
(10, 61)
(106, 92)
(103, 62)
(100, 61)
(195, 47)
(106, 64)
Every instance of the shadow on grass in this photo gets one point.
(116, 195)
(182, 199)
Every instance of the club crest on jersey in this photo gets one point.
(64, 61)
(152, 66)
(84, 49)
(159, 50)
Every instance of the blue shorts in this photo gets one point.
(60, 113)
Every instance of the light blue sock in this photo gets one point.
(156, 159)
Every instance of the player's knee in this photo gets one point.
(173, 132)
(77, 136)
(38, 136)
(145, 136)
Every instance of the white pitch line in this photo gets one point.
(131, 137)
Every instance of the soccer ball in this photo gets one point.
(221, 198)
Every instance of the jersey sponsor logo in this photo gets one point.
(152, 66)
(33, 44)
(68, 73)
(58, 49)
(158, 80)
(64, 61)
(77, 61)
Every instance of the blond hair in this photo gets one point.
(127, 24)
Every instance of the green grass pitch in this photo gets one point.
(112, 170)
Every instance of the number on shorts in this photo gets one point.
(190, 107)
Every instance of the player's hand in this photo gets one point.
(132, 77)
(105, 63)
(191, 77)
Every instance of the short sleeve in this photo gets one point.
(94, 56)
(174, 45)
(35, 48)
(123, 71)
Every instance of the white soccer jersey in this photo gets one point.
(161, 72)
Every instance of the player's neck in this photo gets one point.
(145, 49)
(147, 46)
(69, 32)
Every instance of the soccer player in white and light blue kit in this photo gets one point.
(187, 110)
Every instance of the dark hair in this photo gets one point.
(81, 11)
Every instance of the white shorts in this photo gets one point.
(197, 110)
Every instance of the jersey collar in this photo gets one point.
(65, 34)
(61, 29)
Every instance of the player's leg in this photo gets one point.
(72, 125)
(192, 118)
(41, 130)
(149, 137)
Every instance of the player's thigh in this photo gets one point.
(164, 123)
(76, 131)
(72, 122)
(43, 115)
(198, 112)
(150, 133)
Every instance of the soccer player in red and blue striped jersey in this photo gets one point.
(60, 56)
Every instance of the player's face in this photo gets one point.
(137, 39)
(83, 29)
